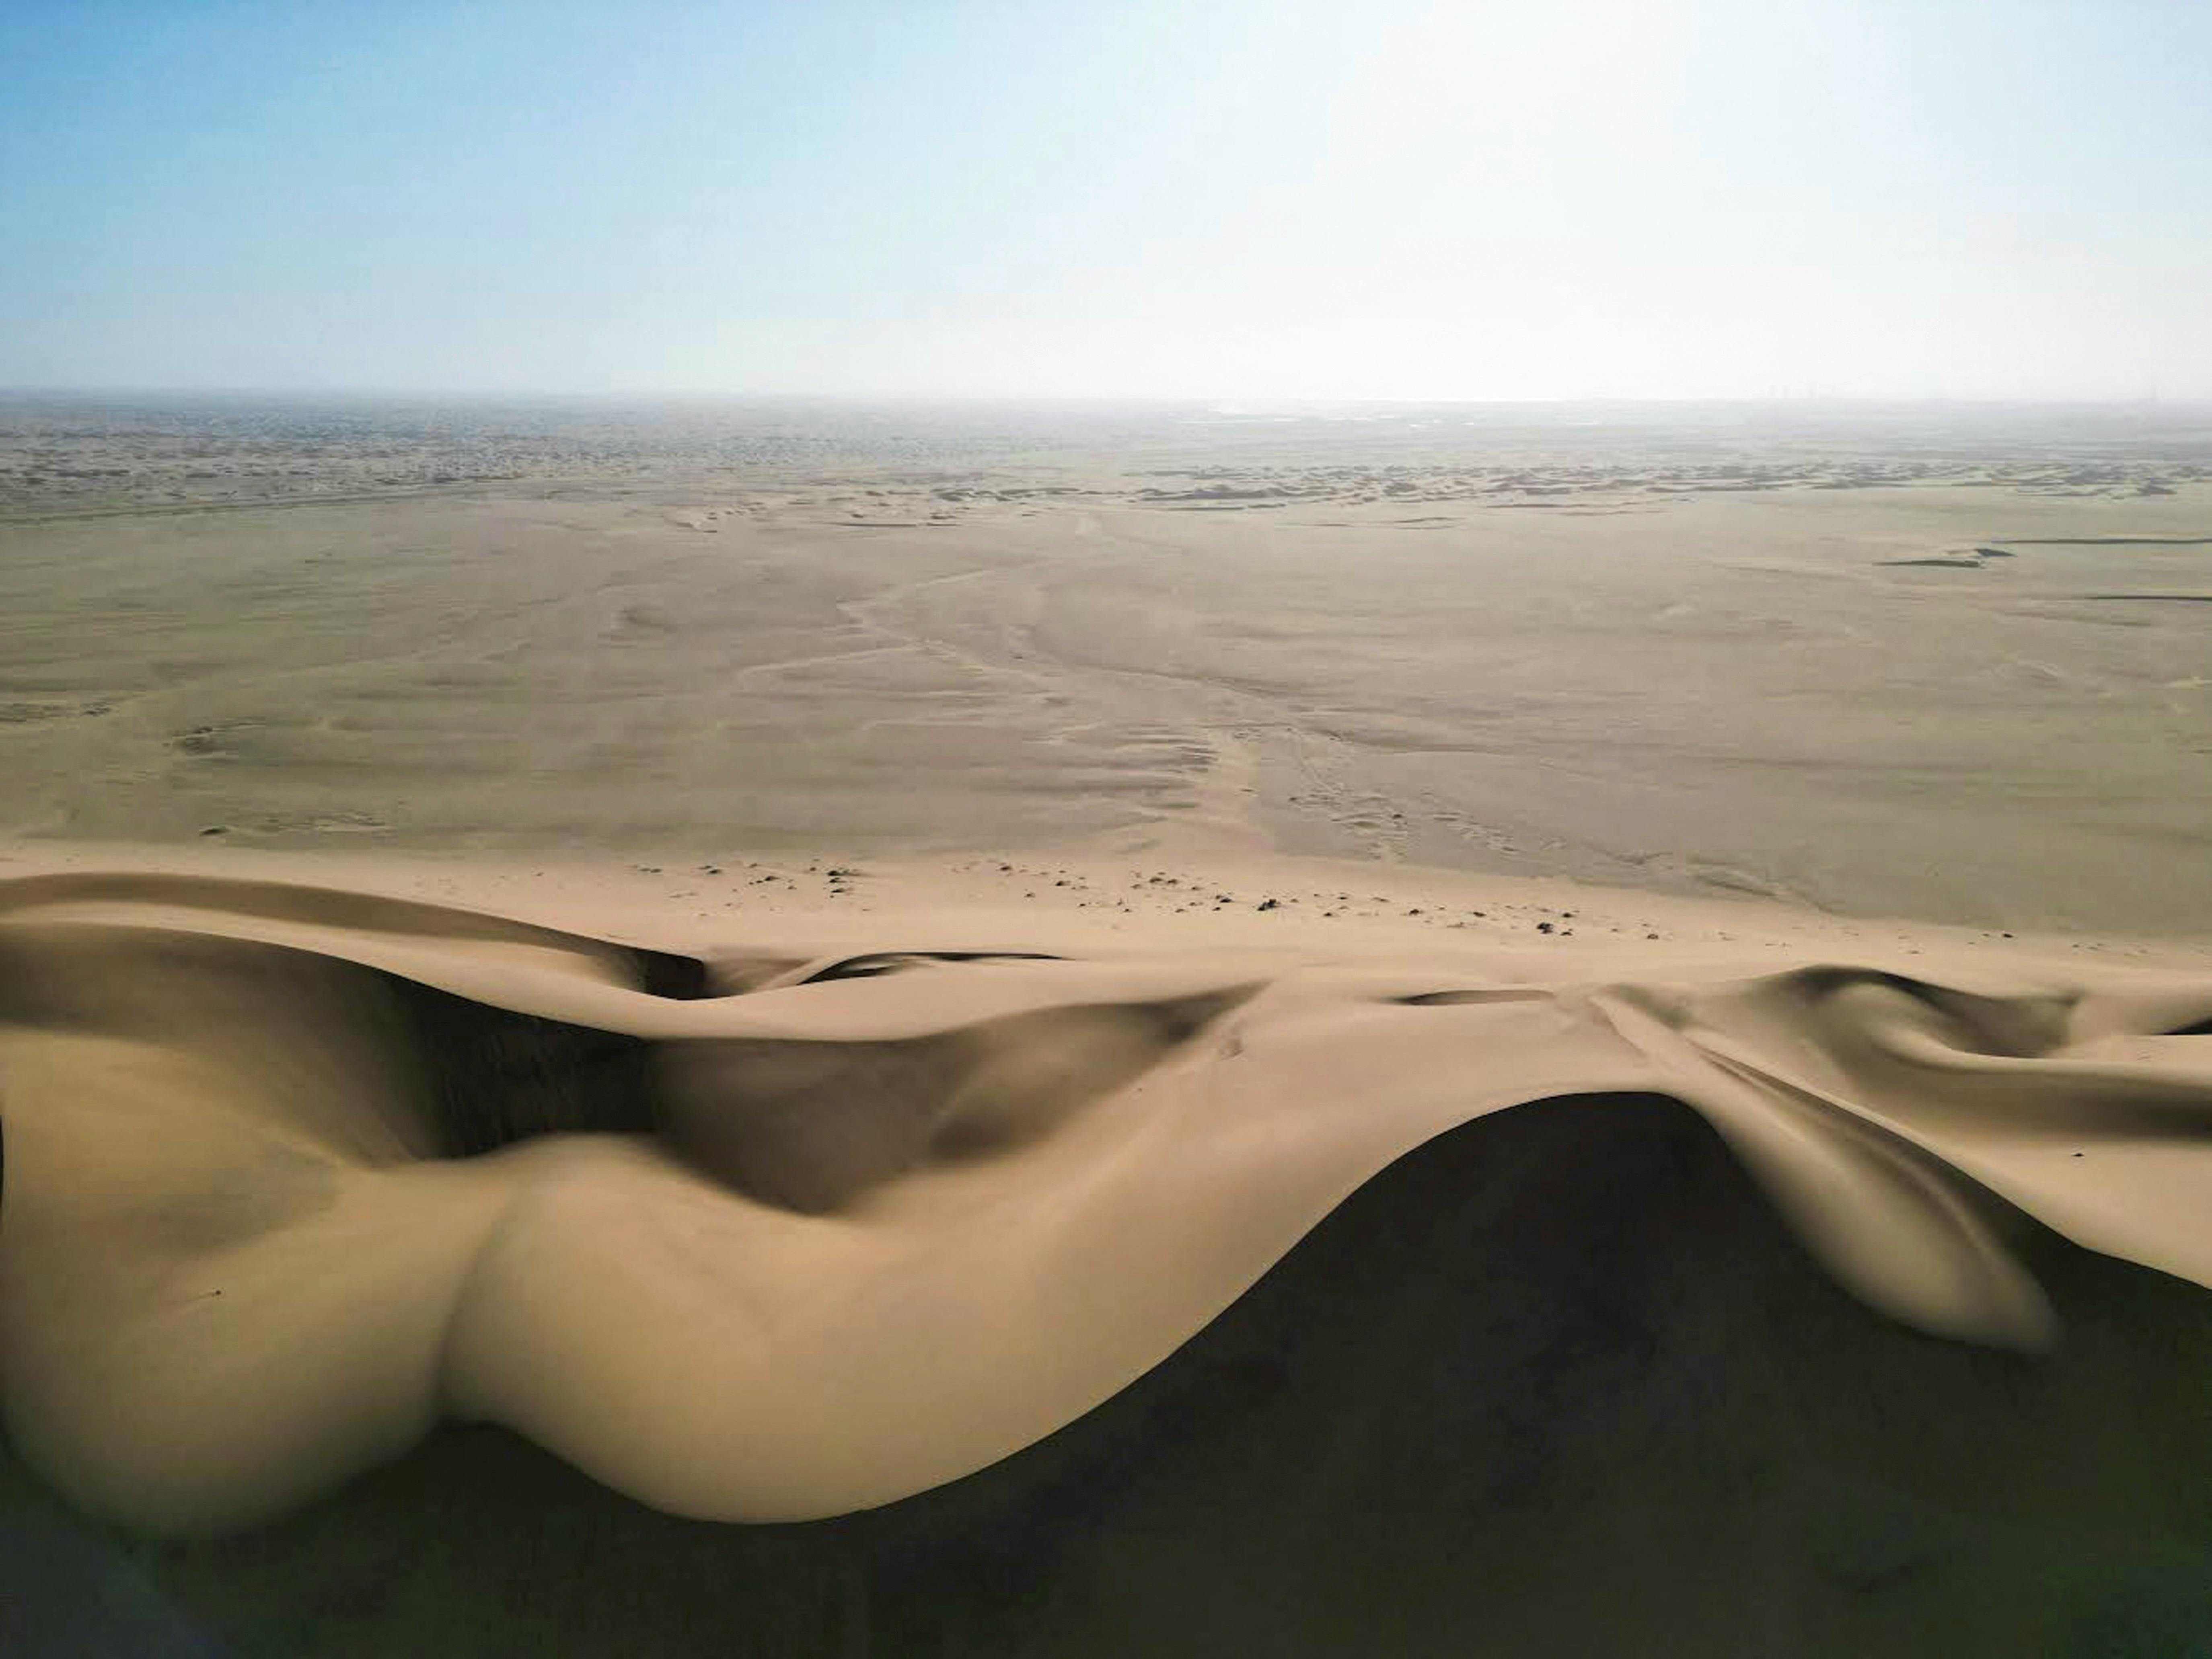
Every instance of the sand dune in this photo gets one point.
(1073, 1071)
(779, 1253)
(1836, 1288)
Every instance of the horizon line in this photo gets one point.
(1808, 400)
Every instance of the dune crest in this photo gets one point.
(294, 1172)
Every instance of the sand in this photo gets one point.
(1678, 658)
(961, 1070)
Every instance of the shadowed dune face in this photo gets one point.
(813, 1126)
(1575, 1379)
(293, 1177)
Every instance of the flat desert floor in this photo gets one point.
(1958, 672)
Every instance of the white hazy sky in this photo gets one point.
(1567, 198)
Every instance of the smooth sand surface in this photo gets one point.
(812, 1206)
(1689, 660)
(1107, 1079)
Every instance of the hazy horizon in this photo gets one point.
(1803, 204)
(1230, 405)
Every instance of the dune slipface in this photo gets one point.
(294, 1174)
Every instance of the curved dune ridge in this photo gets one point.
(294, 1173)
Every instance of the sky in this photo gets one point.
(1480, 200)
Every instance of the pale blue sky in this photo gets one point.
(1554, 198)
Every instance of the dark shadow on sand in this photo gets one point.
(1559, 1382)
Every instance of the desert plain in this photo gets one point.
(1912, 667)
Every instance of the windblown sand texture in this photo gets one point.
(1114, 1059)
